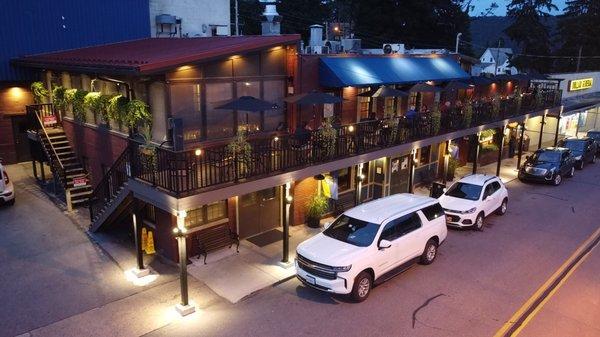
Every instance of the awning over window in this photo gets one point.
(335, 72)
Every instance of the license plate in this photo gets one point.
(448, 218)
(310, 279)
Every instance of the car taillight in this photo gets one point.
(6, 180)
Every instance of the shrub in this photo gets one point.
(316, 206)
(39, 92)
(78, 105)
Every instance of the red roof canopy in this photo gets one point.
(152, 55)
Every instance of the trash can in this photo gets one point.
(437, 189)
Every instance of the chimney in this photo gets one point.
(271, 23)
(316, 36)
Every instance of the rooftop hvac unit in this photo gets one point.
(333, 47)
(393, 48)
(317, 50)
(350, 45)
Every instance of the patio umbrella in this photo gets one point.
(384, 91)
(247, 103)
(368, 93)
(312, 98)
(480, 80)
(424, 87)
(456, 85)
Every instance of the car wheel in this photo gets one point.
(503, 207)
(593, 161)
(479, 222)
(362, 286)
(558, 179)
(11, 202)
(580, 166)
(571, 172)
(429, 253)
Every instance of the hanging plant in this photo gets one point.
(436, 120)
(78, 105)
(538, 99)
(327, 136)
(495, 107)
(242, 150)
(39, 92)
(137, 114)
(59, 98)
(468, 114)
(117, 108)
(391, 124)
(98, 104)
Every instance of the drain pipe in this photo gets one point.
(130, 94)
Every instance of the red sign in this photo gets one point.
(49, 120)
(79, 181)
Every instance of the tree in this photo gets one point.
(579, 28)
(530, 34)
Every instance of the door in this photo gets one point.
(399, 172)
(20, 125)
(259, 212)
(410, 227)
(490, 197)
(389, 258)
(378, 178)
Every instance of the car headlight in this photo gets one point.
(578, 158)
(543, 171)
(341, 269)
(469, 211)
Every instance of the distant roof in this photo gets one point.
(502, 54)
(152, 55)
(378, 210)
(342, 71)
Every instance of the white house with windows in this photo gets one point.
(495, 61)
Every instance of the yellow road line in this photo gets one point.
(504, 330)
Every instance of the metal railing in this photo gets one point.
(110, 185)
(182, 173)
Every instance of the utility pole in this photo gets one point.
(579, 59)
(237, 19)
(457, 41)
(497, 56)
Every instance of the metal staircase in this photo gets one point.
(65, 166)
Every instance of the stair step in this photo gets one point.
(80, 195)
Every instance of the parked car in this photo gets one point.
(548, 165)
(583, 149)
(595, 135)
(7, 191)
(468, 201)
(371, 243)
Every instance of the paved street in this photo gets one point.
(58, 283)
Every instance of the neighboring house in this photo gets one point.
(495, 61)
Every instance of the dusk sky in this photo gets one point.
(481, 5)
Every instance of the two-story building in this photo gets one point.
(495, 61)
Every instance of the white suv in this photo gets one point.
(468, 201)
(371, 243)
(7, 191)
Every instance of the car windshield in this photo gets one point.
(594, 135)
(353, 231)
(546, 157)
(465, 191)
(575, 145)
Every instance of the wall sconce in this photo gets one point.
(276, 139)
(179, 231)
(289, 199)
(351, 128)
(361, 177)
(198, 152)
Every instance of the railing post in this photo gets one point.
(68, 199)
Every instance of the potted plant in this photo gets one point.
(452, 166)
(436, 120)
(59, 98)
(137, 114)
(468, 116)
(391, 124)
(39, 92)
(240, 149)
(315, 208)
(117, 108)
(78, 105)
(327, 136)
(495, 107)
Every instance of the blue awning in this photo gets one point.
(335, 72)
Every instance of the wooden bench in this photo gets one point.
(214, 238)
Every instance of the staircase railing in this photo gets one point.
(110, 185)
(38, 114)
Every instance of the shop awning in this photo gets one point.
(336, 72)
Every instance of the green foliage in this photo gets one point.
(78, 104)
(39, 91)
(240, 148)
(137, 114)
(578, 28)
(316, 206)
(117, 108)
(495, 107)
(391, 124)
(468, 114)
(327, 136)
(98, 104)
(491, 147)
(436, 120)
(452, 166)
(59, 98)
(488, 133)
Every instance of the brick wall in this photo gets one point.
(99, 146)
(303, 190)
(13, 100)
(7, 141)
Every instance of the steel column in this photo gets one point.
(520, 153)
(541, 131)
(411, 171)
(500, 149)
(476, 156)
(556, 131)
(287, 203)
(137, 230)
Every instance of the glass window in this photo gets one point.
(216, 211)
(150, 214)
(363, 104)
(274, 92)
(465, 191)
(546, 156)
(186, 104)
(252, 118)
(424, 153)
(433, 212)
(247, 65)
(409, 223)
(344, 179)
(391, 231)
(194, 218)
(249, 199)
(273, 62)
(219, 123)
(353, 231)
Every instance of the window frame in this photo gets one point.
(426, 210)
(399, 221)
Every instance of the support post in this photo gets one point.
(287, 203)
(446, 162)
(68, 199)
(541, 131)
(184, 307)
(556, 131)
(500, 149)
(476, 156)
(359, 178)
(520, 153)
(411, 171)
(34, 166)
(43, 173)
(140, 271)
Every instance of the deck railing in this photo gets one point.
(182, 173)
(111, 184)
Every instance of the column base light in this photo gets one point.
(285, 265)
(185, 310)
(139, 273)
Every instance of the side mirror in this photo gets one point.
(527, 157)
(327, 224)
(383, 244)
(444, 189)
